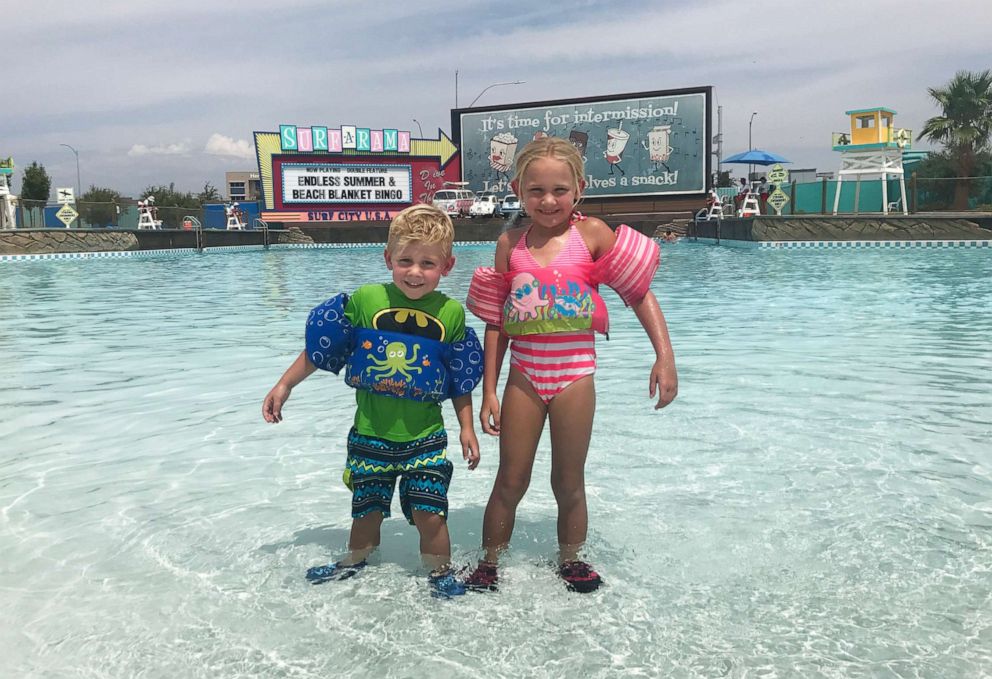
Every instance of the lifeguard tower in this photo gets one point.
(872, 147)
(147, 213)
(8, 220)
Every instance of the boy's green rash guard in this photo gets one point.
(385, 307)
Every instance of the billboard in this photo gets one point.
(350, 173)
(641, 144)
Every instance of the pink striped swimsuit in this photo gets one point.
(553, 361)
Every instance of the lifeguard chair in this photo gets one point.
(749, 204)
(147, 214)
(235, 217)
(872, 147)
(715, 207)
(8, 220)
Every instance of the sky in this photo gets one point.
(152, 93)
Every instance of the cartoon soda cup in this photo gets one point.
(502, 151)
(658, 147)
(616, 142)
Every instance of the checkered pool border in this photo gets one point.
(176, 252)
(761, 245)
(842, 244)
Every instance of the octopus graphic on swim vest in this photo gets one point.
(525, 298)
(394, 361)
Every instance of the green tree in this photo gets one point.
(209, 194)
(35, 184)
(99, 207)
(964, 128)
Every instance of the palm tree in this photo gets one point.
(965, 128)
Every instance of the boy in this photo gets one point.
(398, 340)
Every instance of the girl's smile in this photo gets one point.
(549, 193)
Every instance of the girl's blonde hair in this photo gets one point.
(421, 223)
(551, 147)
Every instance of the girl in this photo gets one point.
(543, 294)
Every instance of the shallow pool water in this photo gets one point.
(817, 502)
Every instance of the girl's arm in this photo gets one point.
(301, 369)
(494, 345)
(466, 435)
(664, 379)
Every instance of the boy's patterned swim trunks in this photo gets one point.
(422, 467)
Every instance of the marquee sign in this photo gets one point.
(349, 173)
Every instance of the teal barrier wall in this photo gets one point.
(809, 197)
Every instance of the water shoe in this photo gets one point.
(484, 578)
(318, 575)
(444, 585)
(579, 577)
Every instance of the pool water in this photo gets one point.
(816, 503)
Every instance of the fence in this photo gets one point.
(41, 215)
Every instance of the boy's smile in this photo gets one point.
(417, 268)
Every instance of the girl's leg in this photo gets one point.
(521, 420)
(364, 538)
(571, 414)
(435, 544)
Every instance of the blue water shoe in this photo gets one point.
(318, 575)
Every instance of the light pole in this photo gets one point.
(79, 186)
(750, 168)
(419, 128)
(489, 87)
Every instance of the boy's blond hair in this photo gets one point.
(551, 147)
(421, 223)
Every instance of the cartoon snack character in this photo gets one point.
(616, 142)
(502, 151)
(658, 149)
(579, 140)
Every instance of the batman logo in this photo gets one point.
(410, 321)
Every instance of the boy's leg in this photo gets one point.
(364, 538)
(370, 475)
(435, 543)
(521, 422)
(435, 550)
(571, 414)
(362, 542)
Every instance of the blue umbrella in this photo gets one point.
(756, 157)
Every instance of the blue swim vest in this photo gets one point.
(391, 363)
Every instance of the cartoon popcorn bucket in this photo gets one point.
(502, 151)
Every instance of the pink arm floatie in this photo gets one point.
(487, 294)
(630, 265)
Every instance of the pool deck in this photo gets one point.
(934, 228)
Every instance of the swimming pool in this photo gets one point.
(817, 501)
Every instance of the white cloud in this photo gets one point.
(219, 145)
(178, 149)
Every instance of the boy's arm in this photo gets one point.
(301, 369)
(467, 437)
(663, 378)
